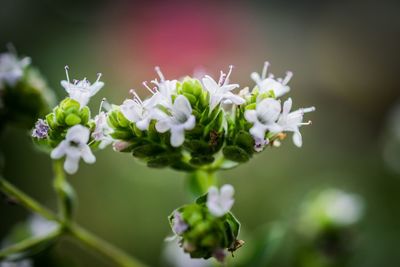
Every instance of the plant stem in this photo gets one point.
(29, 244)
(65, 193)
(93, 242)
(80, 234)
(26, 201)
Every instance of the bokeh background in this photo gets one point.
(345, 59)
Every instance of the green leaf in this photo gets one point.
(245, 141)
(236, 153)
(147, 150)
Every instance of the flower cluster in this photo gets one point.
(207, 228)
(24, 94)
(69, 131)
(202, 124)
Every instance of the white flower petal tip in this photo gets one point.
(74, 147)
(81, 90)
(220, 202)
(268, 83)
(11, 68)
(221, 91)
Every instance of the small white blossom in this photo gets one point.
(11, 68)
(73, 148)
(174, 255)
(291, 121)
(220, 202)
(343, 208)
(162, 93)
(260, 143)
(138, 111)
(83, 90)
(266, 84)
(181, 119)
(120, 145)
(264, 117)
(102, 130)
(40, 226)
(221, 91)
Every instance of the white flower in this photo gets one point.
(11, 68)
(266, 84)
(163, 90)
(120, 145)
(81, 91)
(181, 119)
(221, 91)
(220, 202)
(40, 226)
(138, 111)
(260, 143)
(102, 130)
(73, 148)
(263, 117)
(291, 121)
(174, 255)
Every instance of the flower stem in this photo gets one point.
(29, 245)
(65, 193)
(83, 236)
(93, 242)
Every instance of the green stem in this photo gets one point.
(29, 244)
(80, 234)
(199, 182)
(65, 193)
(26, 201)
(93, 242)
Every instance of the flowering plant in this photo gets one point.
(191, 125)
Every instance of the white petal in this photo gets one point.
(96, 87)
(143, 124)
(182, 105)
(87, 155)
(237, 100)
(78, 133)
(59, 151)
(258, 131)
(210, 84)
(297, 139)
(190, 123)
(250, 115)
(177, 137)
(287, 106)
(66, 86)
(71, 165)
(163, 126)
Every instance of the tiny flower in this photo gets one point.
(263, 117)
(291, 121)
(81, 91)
(11, 68)
(221, 91)
(162, 93)
(41, 129)
(73, 148)
(220, 202)
(40, 226)
(178, 224)
(260, 143)
(181, 119)
(266, 84)
(120, 145)
(344, 208)
(138, 111)
(102, 130)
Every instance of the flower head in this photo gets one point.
(73, 148)
(41, 130)
(82, 90)
(292, 121)
(162, 93)
(266, 84)
(102, 130)
(263, 117)
(220, 202)
(181, 119)
(221, 91)
(11, 68)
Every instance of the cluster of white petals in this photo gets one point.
(74, 147)
(11, 68)
(220, 202)
(269, 114)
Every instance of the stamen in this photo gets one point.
(265, 69)
(101, 104)
(306, 110)
(289, 76)
(98, 76)
(148, 87)
(135, 96)
(222, 76)
(306, 123)
(158, 71)
(229, 74)
(75, 81)
(66, 72)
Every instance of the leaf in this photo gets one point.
(236, 153)
(147, 150)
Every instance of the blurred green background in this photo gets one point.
(344, 55)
